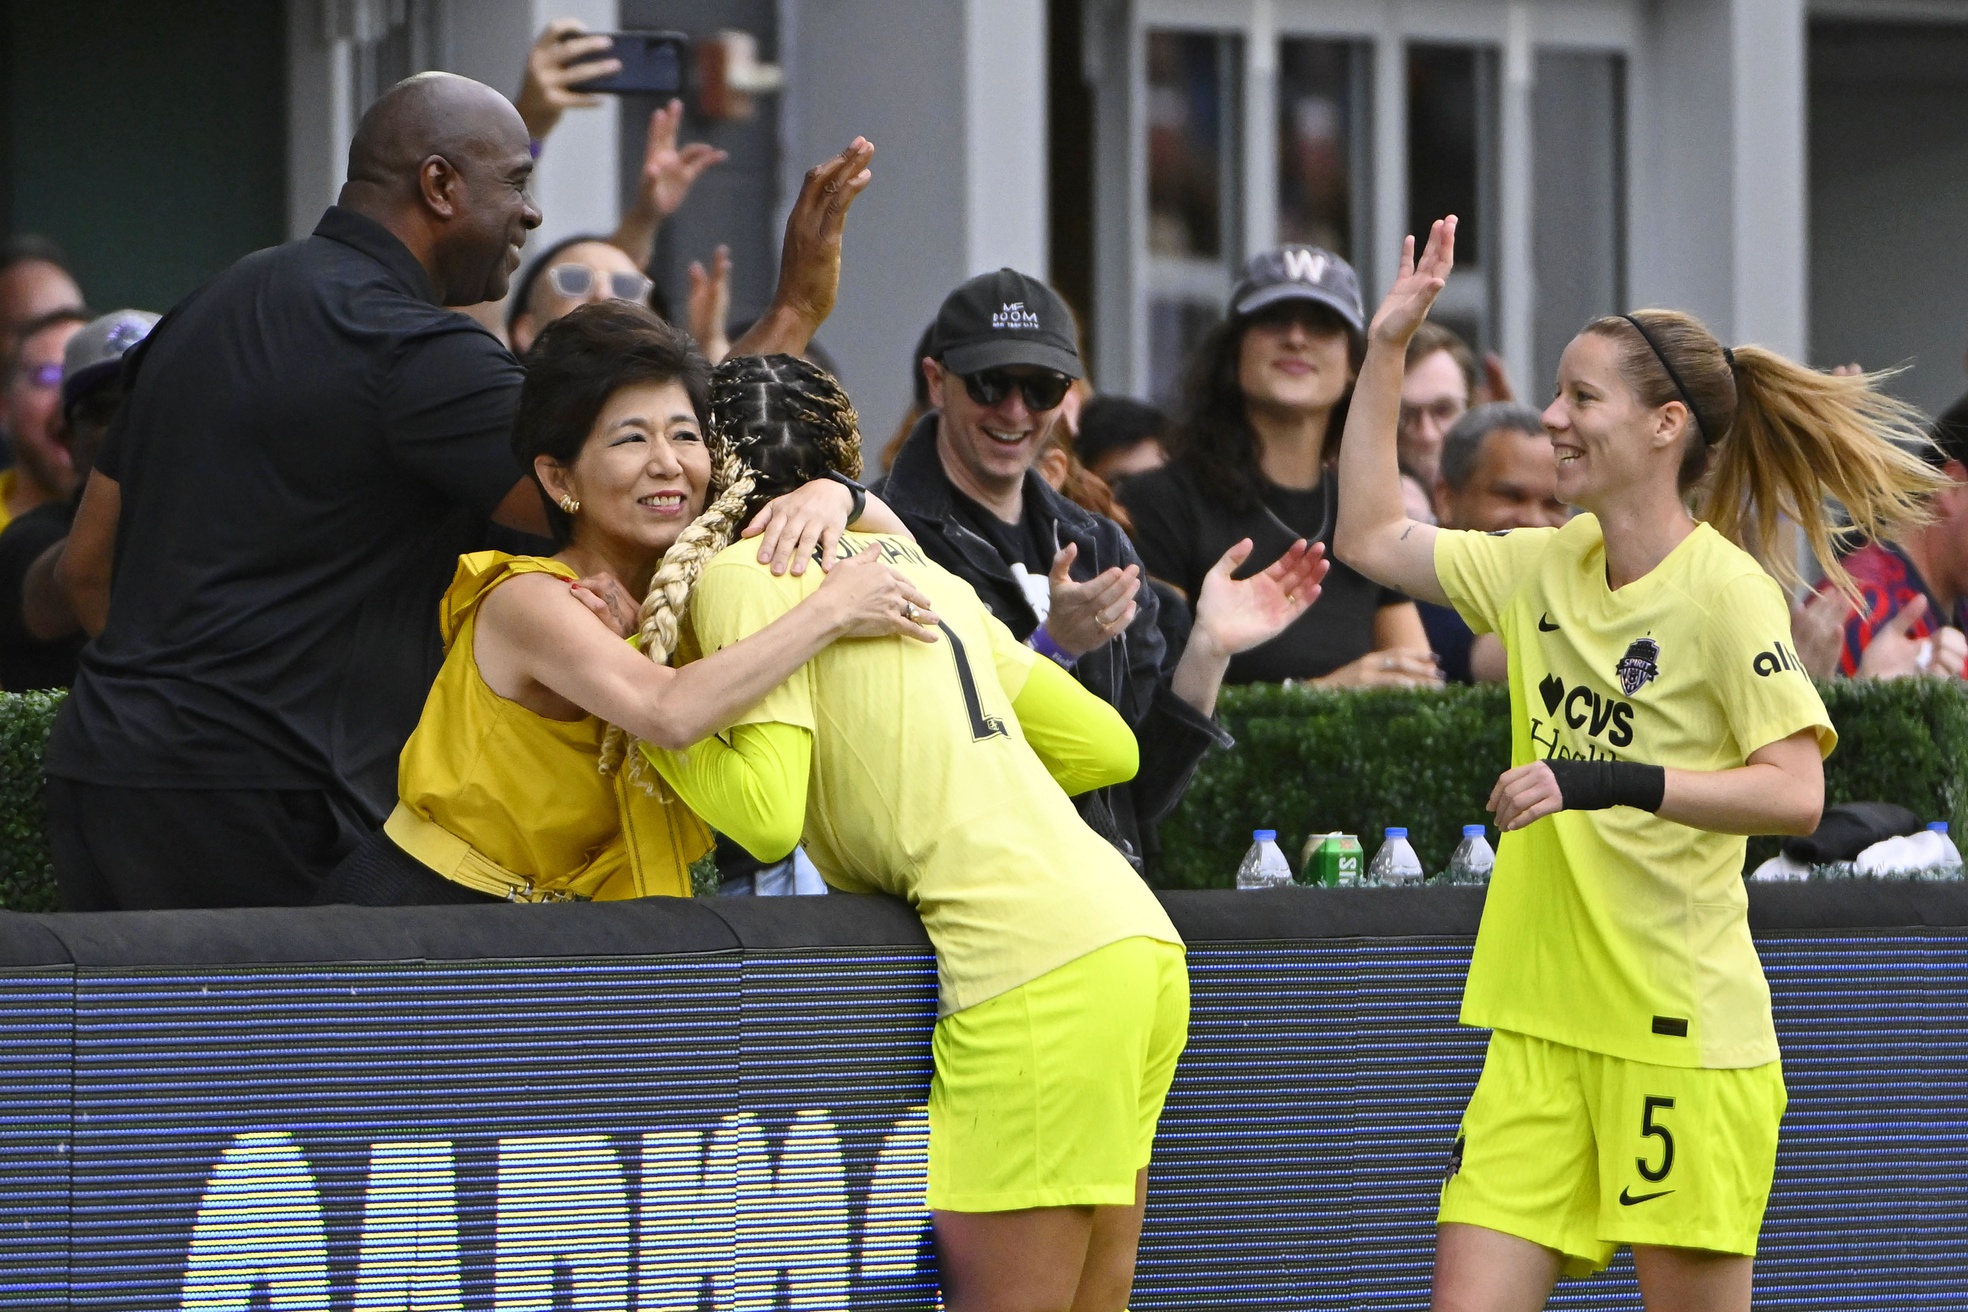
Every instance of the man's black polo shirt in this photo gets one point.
(309, 443)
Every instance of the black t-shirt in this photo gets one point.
(1029, 542)
(1181, 531)
(310, 440)
(28, 662)
(1450, 637)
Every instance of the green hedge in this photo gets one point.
(1309, 762)
(1305, 762)
(27, 881)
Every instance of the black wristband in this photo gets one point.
(1596, 785)
(860, 495)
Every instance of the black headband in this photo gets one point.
(1702, 426)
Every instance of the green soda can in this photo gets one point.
(1335, 861)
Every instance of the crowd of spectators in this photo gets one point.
(228, 533)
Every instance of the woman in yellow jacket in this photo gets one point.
(505, 792)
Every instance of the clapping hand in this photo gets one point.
(1234, 614)
(1417, 286)
(1085, 615)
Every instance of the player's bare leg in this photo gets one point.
(1107, 1278)
(1482, 1270)
(1024, 1261)
(1692, 1279)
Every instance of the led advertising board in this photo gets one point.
(735, 1121)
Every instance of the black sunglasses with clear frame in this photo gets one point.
(1042, 391)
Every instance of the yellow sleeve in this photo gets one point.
(733, 600)
(752, 789)
(1751, 662)
(1013, 659)
(1083, 741)
(1482, 571)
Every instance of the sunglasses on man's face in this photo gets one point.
(577, 280)
(1041, 391)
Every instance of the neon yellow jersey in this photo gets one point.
(1617, 931)
(923, 785)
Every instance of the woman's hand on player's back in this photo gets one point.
(871, 599)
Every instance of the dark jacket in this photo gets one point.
(1131, 673)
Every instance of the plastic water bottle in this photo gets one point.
(1396, 864)
(1264, 865)
(1473, 860)
(1940, 858)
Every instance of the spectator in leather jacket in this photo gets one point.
(1067, 582)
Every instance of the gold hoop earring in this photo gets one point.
(569, 504)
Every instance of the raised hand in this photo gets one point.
(710, 305)
(563, 54)
(670, 171)
(1237, 614)
(1417, 286)
(810, 259)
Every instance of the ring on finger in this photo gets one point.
(1387, 662)
(909, 611)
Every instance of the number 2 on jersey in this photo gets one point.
(982, 726)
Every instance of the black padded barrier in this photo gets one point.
(679, 1104)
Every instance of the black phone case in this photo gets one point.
(653, 64)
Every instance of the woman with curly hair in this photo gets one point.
(502, 790)
(1251, 456)
(941, 775)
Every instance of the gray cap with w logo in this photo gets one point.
(1300, 273)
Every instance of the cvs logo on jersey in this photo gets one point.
(1582, 708)
(1775, 661)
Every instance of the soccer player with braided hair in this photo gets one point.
(499, 795)
(1632, 1089)
(942, 775)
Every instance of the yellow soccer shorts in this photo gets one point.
(1048, 1094)
(1581, 1152)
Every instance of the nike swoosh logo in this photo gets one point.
(1545, 625)
(1628, 1200)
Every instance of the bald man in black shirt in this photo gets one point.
(310, 441)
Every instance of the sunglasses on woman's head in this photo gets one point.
(1041, 391)
(575, 280)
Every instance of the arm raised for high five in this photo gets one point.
(810, 259)
(1374, 534)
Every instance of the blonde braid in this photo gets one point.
(668, 599)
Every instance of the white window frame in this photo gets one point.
(1517, 29)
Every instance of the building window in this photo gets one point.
(1325, 144)
(1194, 202)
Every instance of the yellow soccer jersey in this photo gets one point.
(923, 785)
(1618, 931)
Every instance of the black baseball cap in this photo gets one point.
(1300, 273)
(1004, 318)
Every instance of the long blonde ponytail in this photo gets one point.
(1773, 441)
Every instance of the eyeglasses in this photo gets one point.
(43, 375)
(577, 280)
(1041, 391)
